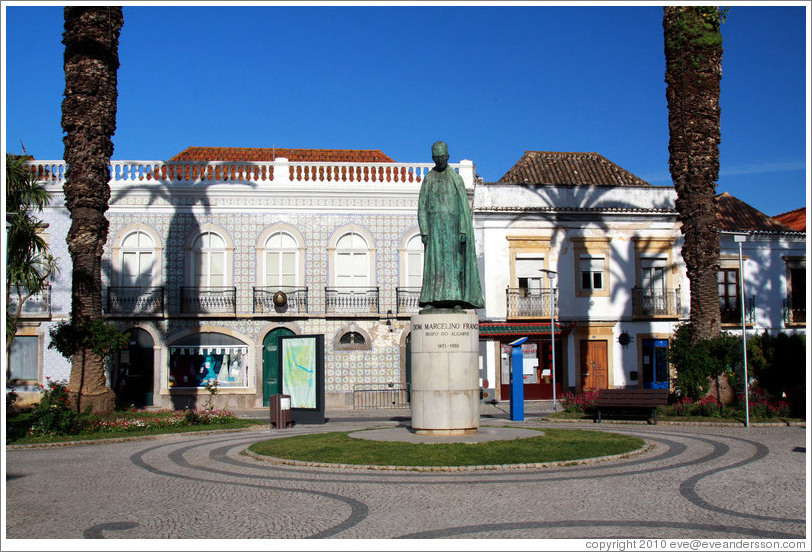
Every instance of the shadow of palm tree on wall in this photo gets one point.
(602, 211)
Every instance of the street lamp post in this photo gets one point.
(550, 275)
(740, 238)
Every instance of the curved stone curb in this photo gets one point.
(677, 423)
(495, 467)
(132, 438)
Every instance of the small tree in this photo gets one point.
(97, 336)
(698, 362)
(29, 264)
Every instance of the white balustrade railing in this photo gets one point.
(280, 171)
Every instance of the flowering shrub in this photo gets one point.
(762, 407)
(159, 420)
(53, 414)
(707, 406)
(580, 402)
(211, 386)
(682, 407)
(137, 420)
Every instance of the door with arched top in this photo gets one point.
(271, 375)
(135, 371)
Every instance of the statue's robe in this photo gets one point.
(450, 273)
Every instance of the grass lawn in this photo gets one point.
(556, 445)
(17, 426)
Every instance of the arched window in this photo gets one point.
(352, 338)
(209, 260)
(352, 261)
(413, 263)
(137, 260)
(281, 260)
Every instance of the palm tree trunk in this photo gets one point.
(693, 54)
(89, 121)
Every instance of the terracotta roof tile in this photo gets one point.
(269, 154)
(795, 219)
(735, 215)
(569, 168)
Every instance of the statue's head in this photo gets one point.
(439, 153)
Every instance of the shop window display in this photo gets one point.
(214, 357)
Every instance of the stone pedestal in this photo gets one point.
(445, 373)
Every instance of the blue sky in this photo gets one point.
(492, 81)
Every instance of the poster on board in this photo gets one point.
(302, 367)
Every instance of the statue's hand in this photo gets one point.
(424, 238)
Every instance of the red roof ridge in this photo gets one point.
(793, 212)
(220, 153)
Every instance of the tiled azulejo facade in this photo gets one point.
(171, 216)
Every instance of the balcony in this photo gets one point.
(351, 300)
(530, 303)
(732, 316)
(280, 300)
(208, 300)
(794, 314)
(36, 306)
(135, 300)
(656, 303)
(408, 299)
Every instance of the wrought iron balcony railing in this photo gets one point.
(647, 302)
(280, 300)
(351, 300)
(408, 299)
(36, 306)
(533, 303)
(794, 314)
(734, 315)
(135, 300)
(208, 300)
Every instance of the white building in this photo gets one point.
(200, 248)
(215, 255)
(611, 243)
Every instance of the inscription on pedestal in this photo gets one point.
(446, 337)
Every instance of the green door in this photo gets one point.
(271, 378)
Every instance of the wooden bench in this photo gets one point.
(631, 398)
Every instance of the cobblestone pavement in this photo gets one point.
(694, 482)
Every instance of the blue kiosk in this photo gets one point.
(517, 380)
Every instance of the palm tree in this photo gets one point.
(29, 263)
(693, 56)
(89, 121)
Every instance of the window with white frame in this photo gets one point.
(529, 275)
(137, 260)
(352, 261)
(281, 260)
(653, 272)
(413, 273)
(24, 359)
(592, 268)
(209, 260)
